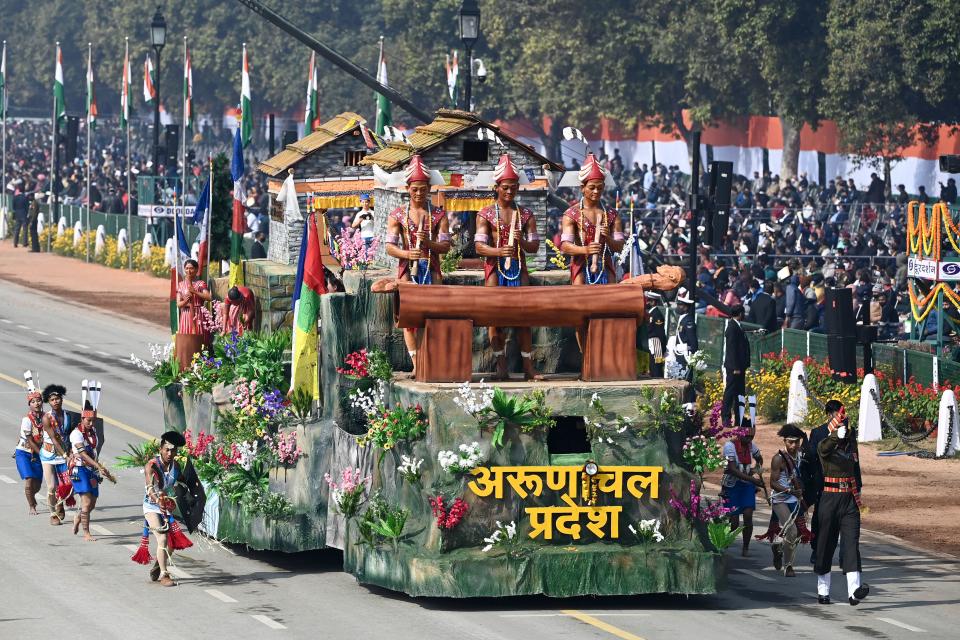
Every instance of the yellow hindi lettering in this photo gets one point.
(520, 477)
(484, 485)
(541, 521)
(599, 516)
(647, 478)
(610, 480)
(564, 479)
(568, 518)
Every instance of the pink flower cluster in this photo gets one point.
(350, 479)
(286, 447)
(208, 321)
(448, 519)
(352, 250)
(245, 396)
(699, 509)
(198, 448)
(717, 429)
(357, 365)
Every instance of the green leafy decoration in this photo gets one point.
(721, 535)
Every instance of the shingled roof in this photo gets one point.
(326, 133)
(448, 123)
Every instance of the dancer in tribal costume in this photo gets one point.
(740, 481)
(506, 233)
(86, 471)
(417, 235)
(27, 453)
(57, 424)
(161, 475)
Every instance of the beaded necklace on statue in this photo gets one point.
(601, 278)
(511, 276)
(425, 276)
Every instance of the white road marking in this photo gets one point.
(7, 480)
(82, 346)
(22, 326)
(754, 574)
(61, 339)
(104, 353)
(902, 625)
(5, 321)
(567, 615)
(220, 595)
(101, 530)
(180, 573)
(270, 622)
(42, 333)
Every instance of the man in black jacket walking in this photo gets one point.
(736, 360)
(763, 309)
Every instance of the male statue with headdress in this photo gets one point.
(417, 235)
(506, 233)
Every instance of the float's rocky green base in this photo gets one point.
(289, 535)
(592, 569)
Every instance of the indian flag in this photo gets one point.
(91, 98)
(239, 224)
(312, 111)
(246, 109)
(149, 81)
(453, 76)
(309, 286)
(59, 104)
(3, 82)
(125, 89)
(187, 89)
(384, 117)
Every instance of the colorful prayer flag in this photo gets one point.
(311, 283)
(239, 224)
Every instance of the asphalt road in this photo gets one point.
(53, 582)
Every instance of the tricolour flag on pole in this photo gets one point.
(125, 90)
(91, 96)
(246, 107)
(384, 117)
(59, 104)
(149, 81)
(201, 217)
(239, 223)
(187, 90)
(310, 285)
(3, 81)
(453, 76)
(312, 112)
(181, 251)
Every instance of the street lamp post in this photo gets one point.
(158, 37)
(469, 34)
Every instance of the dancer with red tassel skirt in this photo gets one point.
(161, 475)
(86, 470)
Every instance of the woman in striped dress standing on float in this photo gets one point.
(192, 332)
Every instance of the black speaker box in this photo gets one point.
(839, 313)
(172, 144)
(950, 164)
(70, 140)
(721, 182)
(842, 351)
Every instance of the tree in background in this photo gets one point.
(784, 44)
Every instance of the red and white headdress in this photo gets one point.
(591, 170)
(416, 171)
(505, 170)
(33, 389)
(90, 397)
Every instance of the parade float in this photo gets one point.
(444, 483)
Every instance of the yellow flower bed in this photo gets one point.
(109, 255)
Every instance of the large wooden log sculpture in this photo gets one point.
(447, 315)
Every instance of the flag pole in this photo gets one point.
(209, 219)
(86, 232)
(53, 146)
(126, 115)
(183, 133)
(3, 169)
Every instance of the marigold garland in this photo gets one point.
(926, 234)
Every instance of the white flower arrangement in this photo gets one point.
(474, 402)
(466, 458)
(503, 537)
(697, 360)
(369, 401)
(159, 353)
(248, 451)
(410, 468)
(647, 531)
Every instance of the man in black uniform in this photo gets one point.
(736, 360)
(656, 334)
(839, 510)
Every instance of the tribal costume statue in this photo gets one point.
(86, 471)
(161, 475)
(27, 453)
(505, 234)
(417, 235)
(591, 234)
(53, 454)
